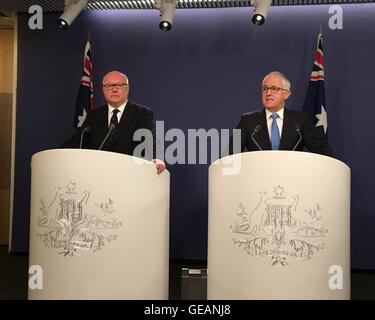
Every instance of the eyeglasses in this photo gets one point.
(273, 89)
(111, 86)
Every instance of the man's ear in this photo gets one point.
(287, 94)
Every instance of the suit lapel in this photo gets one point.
(102, 124)
(263, 136)
(287, 132)
(124, 123)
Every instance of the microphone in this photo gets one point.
(256, 130)
(110, 129)
(298, 130)
(87, 129)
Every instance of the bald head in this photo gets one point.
(115, 75)
(115, 88)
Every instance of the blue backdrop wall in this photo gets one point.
(202, 74)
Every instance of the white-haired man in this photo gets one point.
(277, 128)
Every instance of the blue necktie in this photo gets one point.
(275, 134)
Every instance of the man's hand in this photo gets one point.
(160, 165)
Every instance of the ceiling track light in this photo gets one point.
(167, 10)
(71, 11)
(260, 11)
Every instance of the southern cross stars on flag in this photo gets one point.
(85, 97)
(315, 98)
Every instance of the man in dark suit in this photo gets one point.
(112, 126)
(276, 127)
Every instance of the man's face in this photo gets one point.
(115, 88)
(273, 93)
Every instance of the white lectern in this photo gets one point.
(279, 227)
(99, 226)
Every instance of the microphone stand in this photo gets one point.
(256, 130)
(299, 140)
(111, 127)
(87, 129)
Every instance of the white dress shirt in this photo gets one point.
(121, 109)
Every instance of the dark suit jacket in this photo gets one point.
(312, 139)
(134, 117)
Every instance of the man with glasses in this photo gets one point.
(276, 127)
(111, 127)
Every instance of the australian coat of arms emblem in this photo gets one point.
(279, 228)
(72, 223)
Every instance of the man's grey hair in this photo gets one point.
(126, 77)
(285, 81)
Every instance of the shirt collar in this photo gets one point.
(120, 108)
(280, 113)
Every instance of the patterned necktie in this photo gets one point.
(275, 134)
(114, 119)
(113, 122)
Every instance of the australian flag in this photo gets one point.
(85, 97)
(315, 104)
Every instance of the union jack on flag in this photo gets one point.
(85, 97)
(315, 97)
